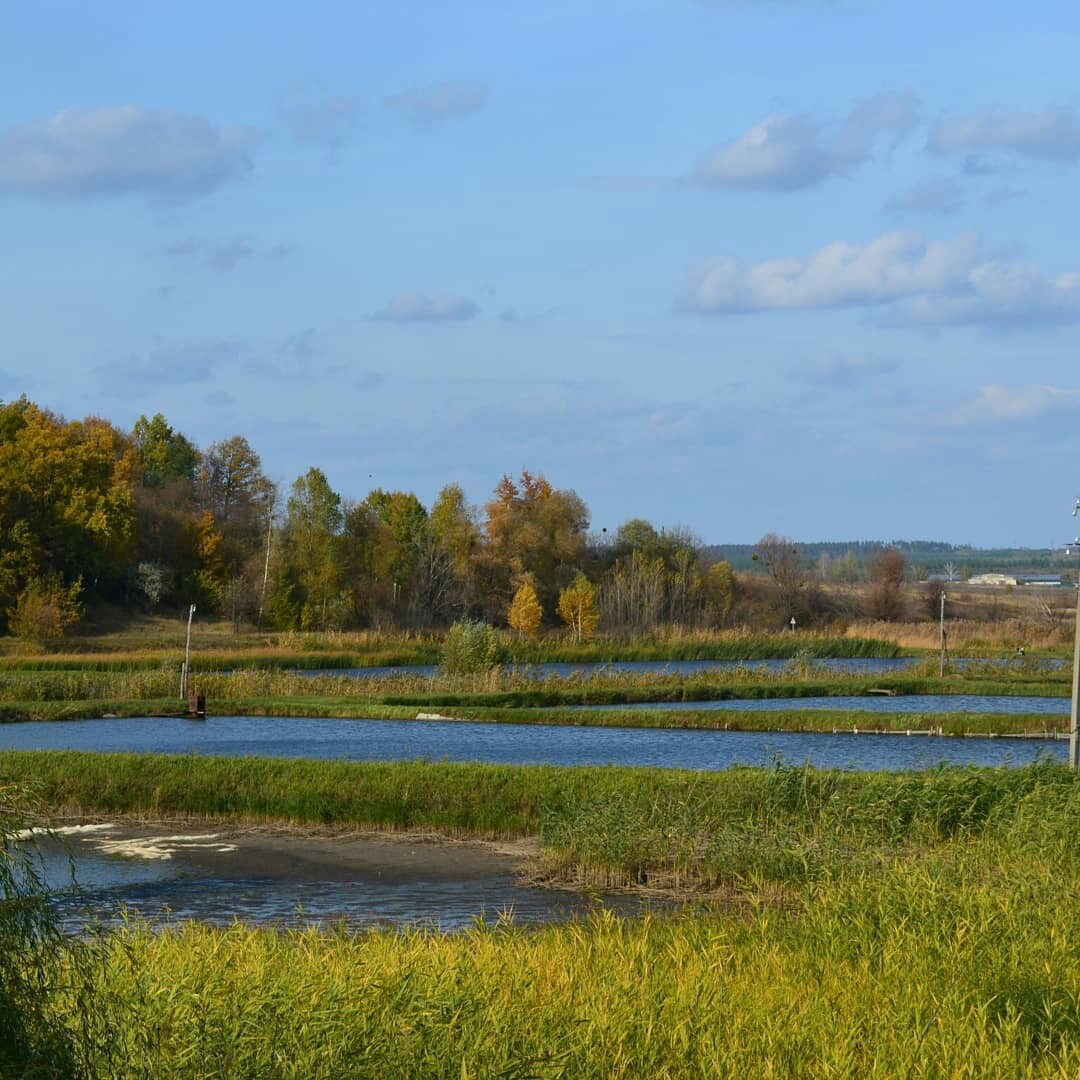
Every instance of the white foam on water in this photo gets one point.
(161, 847)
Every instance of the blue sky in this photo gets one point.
(790, 266)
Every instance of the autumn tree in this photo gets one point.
(577, 608)
(535, 530)
(782, 561)
(885, 572)
(525, 614)
(66, 502)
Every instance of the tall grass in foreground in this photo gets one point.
(958, 961)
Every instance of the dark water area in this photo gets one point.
(848, 666)
(525, 744)
(169, 892)
(110, 886)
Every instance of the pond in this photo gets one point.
(519, 744)
(171, 875)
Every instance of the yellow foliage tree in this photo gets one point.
(577, 607)
(525, 612)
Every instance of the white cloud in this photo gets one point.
(787, 152)
(939, 197)
(427, 106)
(1004, 294)
(916, 281)
(123, 149)
(419, 308)
(889, 267)
(1001, 404)
(1052, 133)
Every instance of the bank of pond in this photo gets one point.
(842, 923)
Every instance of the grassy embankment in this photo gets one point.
(892, 925)
(518, 695)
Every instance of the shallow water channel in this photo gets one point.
(171, 874)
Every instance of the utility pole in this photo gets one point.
(187, 655)
(266, 566)
(941, 670)
(1074, 741)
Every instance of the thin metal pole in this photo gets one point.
(187, 654)
(941, 670)
(1074, 741)
(266, 566)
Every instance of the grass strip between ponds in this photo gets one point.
(712, 827)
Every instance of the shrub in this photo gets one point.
(46, 610)
(471, 646)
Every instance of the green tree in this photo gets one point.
(309, 578)
(577, 607)
(525, 614)
(719, 587)
(166, 455)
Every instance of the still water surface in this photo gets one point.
(170, 891)
(518, 744)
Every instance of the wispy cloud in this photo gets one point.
(1052, 134)
(420, 308)
(998, 404)
(168, 363)
(788, 152)
(322, 121)
(427, 106)
(937, 197)
(836, 372)
(122, 150)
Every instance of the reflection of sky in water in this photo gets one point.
(163, 890)
(859, 665)
(522, 744)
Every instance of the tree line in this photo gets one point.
(146, 520)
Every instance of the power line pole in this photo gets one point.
(941, 670)
(1074, 741)
(187, 655)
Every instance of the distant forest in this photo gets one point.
(926, 557)
(145, 520)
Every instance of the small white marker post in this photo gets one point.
(793, 624)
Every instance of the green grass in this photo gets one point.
(891, 925)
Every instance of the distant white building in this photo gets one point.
(992, 579)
